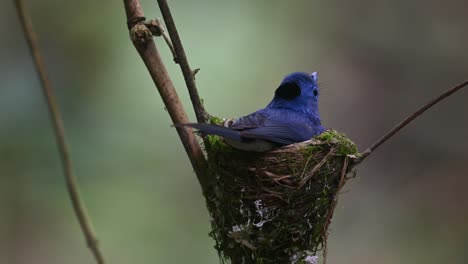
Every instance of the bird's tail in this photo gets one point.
(209, 129)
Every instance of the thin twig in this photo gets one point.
(157, 28)
(189, 75)
(408, 120)
(143, 41)
(59, 130)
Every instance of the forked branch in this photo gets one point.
(142, 39)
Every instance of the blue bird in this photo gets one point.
(292, 116)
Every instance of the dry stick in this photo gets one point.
(143, 41)
(59, 129)
(408, 120)
(189, 75)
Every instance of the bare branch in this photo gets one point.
(408, 120)
(143, 41)
(59, 129)
(189, 75)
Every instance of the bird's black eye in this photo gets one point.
(288, 91)
(315, 92)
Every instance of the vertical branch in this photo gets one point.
(189, 75)
(70, 179)
(143, 41)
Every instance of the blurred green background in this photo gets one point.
(378, 61)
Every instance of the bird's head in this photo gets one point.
(298, 91)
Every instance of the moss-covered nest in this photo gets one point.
(275, 207)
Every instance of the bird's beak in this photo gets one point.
(314, 76)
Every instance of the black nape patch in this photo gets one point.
(288, 91)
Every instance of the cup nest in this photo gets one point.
(275, 207)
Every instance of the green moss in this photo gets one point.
(215, 144)
(216, 120)
(344, 144)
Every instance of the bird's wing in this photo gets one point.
(277, 127)
(280, 132)
(260, 125)
(254, 120)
